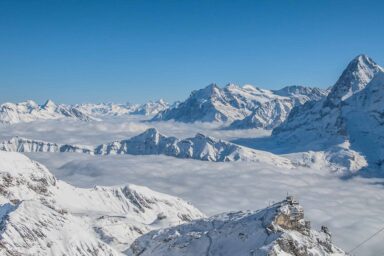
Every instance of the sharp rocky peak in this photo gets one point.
(354, 78)
(49, 104)
(149, 133)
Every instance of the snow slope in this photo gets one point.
(350, 115)
(151, 142)
(277, 230)
(40, 215)
(234, 103)
(29, 111)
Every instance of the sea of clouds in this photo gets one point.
(353, 209)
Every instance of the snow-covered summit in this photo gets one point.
(40, 215)
(351, 114)
(279, 229)
(234, 103)
(324, 115)
(354, 78)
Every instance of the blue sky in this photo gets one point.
(119, 50)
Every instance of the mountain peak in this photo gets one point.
(354, 78)
(49, 104)
(207, 92)
(150, 132)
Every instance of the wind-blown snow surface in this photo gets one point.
(44, 216)
(264, 108)
(276, 230)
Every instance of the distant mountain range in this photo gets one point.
(112, 109)
(239, 107)
(344, 123)
(29, 111)
(11, 113)
(151, 142)
(244, 107)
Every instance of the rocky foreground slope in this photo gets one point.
(40, 215)
(246, 107)
(151, 142)
(276, 230)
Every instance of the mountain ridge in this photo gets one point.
(151, 142)
(235, 104)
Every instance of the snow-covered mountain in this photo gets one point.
(352, 113)
(112, 109)
(276, 230)
(19, 144)
(301, 94)
(233, 103)
(151, 142)
(40, 215)
(11, 113)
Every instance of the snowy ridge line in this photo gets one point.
(113, 109)
(151, 142)
(276, 230)
(29, 111)
(241, 107)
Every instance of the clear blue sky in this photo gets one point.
(120, 50)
